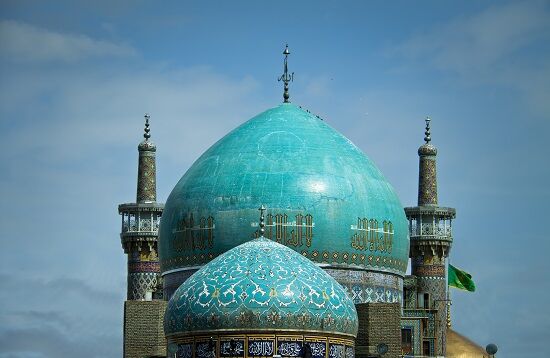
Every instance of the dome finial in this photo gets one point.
(262, 225)
(286, 77)
(146, 135)
(427, 137)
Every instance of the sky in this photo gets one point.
(78, 76)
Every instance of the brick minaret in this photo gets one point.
(431, 240)
(139, 237)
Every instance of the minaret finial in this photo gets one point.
(146, 135)
(262, 224)
(427, 137)
(286, 77)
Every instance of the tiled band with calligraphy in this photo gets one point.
(263, 346)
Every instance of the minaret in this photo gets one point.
(431, 240)
(140, 223)
(144, 307)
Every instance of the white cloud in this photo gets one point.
(476, 43)
(93, 110)
(27, 43)
(318, 87)
(73, 133)
(58, 318)
(495, 47)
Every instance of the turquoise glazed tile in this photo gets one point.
(260, 286)
(296, 165)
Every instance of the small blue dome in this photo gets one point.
(261, 286)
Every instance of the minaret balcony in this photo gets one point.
(135, 207)
(428, 231)
(438, 211)
(140, 222)
(447, 238)
(430, 223)
(141, 228)
(137, 237)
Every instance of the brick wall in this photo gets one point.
(378, 323)
(143, 329)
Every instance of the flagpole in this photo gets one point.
(449, 302)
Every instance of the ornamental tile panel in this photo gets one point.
(261, 285)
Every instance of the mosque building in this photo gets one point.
(284, 239)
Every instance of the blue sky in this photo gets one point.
(78, 76)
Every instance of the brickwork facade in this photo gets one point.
(378, 323)
(144, 329)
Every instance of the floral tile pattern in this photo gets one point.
(261, 285)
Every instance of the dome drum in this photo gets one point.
(363, 286)
(369, 286)
(265, 344)
(347, 238)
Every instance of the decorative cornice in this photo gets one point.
(430, 210)
(134, 207)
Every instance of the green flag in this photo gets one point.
(460, 279)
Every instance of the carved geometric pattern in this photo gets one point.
(414, 326)
(427, 185)
(146, 186)
(144, 266)
(140, 283)
(429, 270)
(368, 286)
(436, 287)
(334, 257)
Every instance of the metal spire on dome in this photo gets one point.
(262, 224)
(427, 137)
(146, 135)
(286, 77)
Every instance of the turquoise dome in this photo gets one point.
(260, 286)
(326, 199)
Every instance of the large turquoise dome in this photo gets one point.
(326, 199)
(260, 286)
